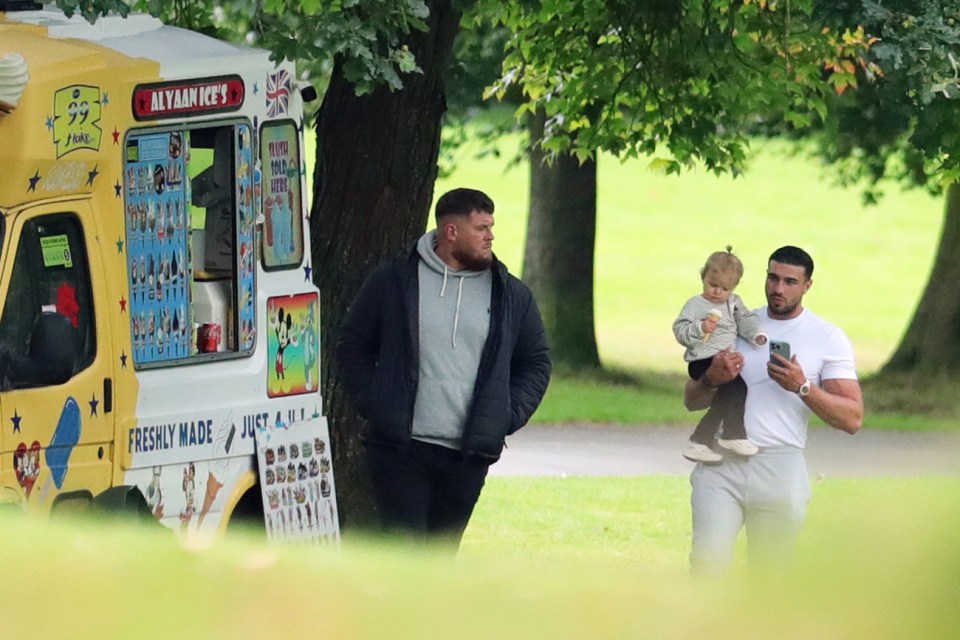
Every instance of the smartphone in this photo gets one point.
(783, 348)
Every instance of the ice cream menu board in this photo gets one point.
(296, 478)
(157, 232)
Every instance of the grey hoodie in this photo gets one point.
(454, 323)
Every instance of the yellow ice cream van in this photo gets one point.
(159, 345)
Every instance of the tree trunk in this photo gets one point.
(558, 257)
(376, 166)
(931, 345)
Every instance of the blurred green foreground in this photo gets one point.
(878, 559)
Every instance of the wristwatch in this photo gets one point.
(804, 389)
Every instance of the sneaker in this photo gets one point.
(696, 452)
(739, 447)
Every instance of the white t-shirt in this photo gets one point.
(773, 415)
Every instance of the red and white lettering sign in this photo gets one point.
(176, 99)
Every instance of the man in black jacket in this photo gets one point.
(444, 354)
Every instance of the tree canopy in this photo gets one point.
(365, 34)
(676, 79)
(901, 121)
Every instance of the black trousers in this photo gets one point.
(725, 411)
(425, 491)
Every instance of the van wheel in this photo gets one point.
(247, 516)
(125, 502)
(71, 503)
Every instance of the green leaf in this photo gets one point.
(662, 165)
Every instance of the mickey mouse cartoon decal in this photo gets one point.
(285, 337)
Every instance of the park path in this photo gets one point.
(614, 450)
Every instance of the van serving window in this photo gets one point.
(190, 229)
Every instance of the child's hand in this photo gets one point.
(708, 325)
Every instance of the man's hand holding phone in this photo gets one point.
(784, 368)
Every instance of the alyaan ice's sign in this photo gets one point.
(176, 99)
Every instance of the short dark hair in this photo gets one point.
(794, 256)
(463, 202)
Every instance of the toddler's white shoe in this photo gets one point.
(696, 452)
(739, 447)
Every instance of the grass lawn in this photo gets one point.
(643, 522)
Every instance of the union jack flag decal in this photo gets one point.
(278, 93)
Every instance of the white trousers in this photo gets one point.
(767, 493)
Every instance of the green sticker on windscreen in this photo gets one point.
(56, 251)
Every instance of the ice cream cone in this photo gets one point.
(715, 315)
(213, 488)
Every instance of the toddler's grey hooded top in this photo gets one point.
(418, 364)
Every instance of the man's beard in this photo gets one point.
(784, 310)
(473, 263)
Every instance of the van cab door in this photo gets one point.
(56, 357)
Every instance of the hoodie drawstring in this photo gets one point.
(456, 315)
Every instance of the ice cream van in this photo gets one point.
(159, 345)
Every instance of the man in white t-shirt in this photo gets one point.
(768, 493)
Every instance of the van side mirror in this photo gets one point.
(307, 91)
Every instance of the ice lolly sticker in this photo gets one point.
(64, 439)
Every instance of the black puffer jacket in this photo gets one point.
(377, 357)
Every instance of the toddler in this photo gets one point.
(708, 324)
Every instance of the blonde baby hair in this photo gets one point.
(725, 265)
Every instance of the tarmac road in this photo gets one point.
(614, 450)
